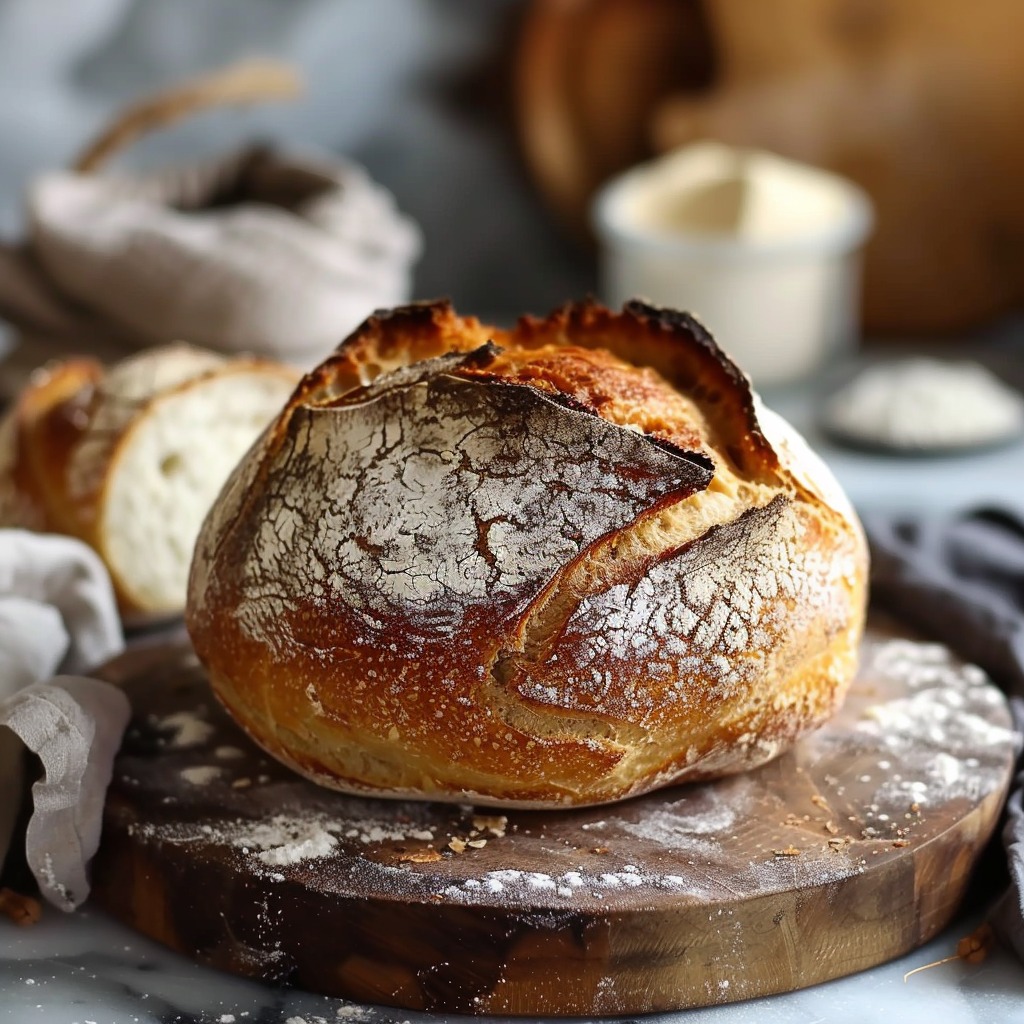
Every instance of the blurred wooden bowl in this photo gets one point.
(918, 102)
(588, 74)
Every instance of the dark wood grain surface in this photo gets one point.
(848, 851)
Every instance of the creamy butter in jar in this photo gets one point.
(764, 251)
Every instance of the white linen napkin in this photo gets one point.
(57, 613)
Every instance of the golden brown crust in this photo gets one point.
(390, 339)
(527, 573)
(680, 349)
(36, 439)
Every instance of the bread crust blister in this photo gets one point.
(515, 567)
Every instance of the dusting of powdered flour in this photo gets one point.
(521, 888)
(200, 774)
(695, 823)
(283, 840)
(184, 729)
(940, 734)
(438, 509)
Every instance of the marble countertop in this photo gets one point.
(87, 969)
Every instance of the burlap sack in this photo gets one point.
(257, 251)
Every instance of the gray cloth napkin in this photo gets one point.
(57, 613)
(962, 581)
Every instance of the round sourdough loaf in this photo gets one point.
(556, 565)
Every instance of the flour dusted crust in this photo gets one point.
(556, 565)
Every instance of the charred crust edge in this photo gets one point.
(422, 313)
(686, 326)
(414, 316)
(482, 357)
(678, 331)
(678, 321)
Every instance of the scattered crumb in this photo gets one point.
(496, 824)
(788, 851)
(241, 783)
(975, 947)
(477, 844)
(353, 1012)
(457, 845)
(831, 828)
(420, 856)
(314, 700)
(972, 949)
(201, 774)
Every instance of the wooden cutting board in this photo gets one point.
(849, 851)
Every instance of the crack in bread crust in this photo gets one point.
(622, 560)
(422, 466)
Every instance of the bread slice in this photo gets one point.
(130, 459)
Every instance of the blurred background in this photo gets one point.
(420, 93)
(494, 126)
(492, 123)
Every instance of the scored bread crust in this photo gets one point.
(560, 564)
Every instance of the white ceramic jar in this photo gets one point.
(764, 251)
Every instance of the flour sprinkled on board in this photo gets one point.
(283, 841)
(375, 832)
(200, 774)
(354, 1012)
(518, 887)
(934, 730)
(186, 728)
(694, 822)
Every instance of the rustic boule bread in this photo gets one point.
(555, 565)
